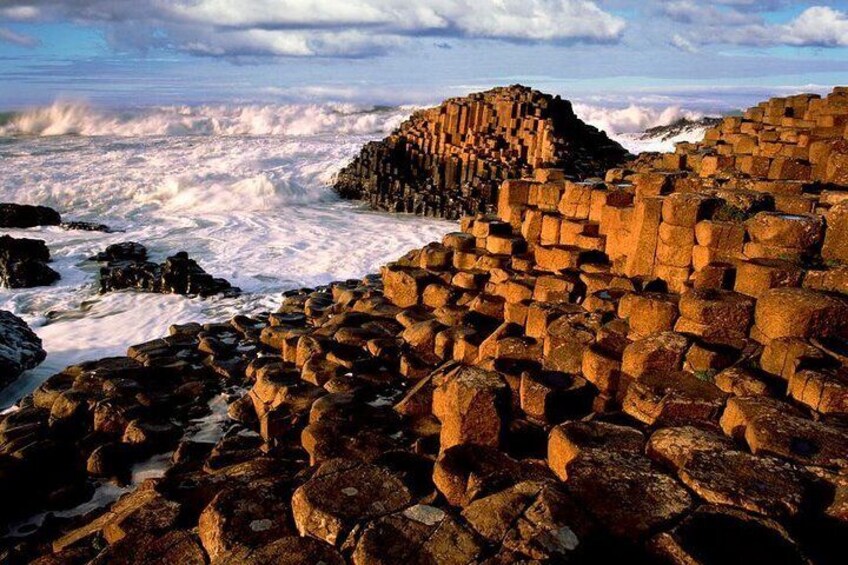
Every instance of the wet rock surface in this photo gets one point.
(548, 385)
(127, 267)
(20, 348)
(26, 216)
(23, 263)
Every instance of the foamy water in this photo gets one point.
(243, 190)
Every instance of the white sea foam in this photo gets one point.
(77, 118)
(627, 125)
(252, 208)
(633, 118)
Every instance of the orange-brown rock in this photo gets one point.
(473, 405)
(343, 493)
(795, 312)
(450, 160)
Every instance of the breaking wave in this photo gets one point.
(72, 118)
(633, 118)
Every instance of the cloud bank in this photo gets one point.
(739, 22)
(334, 28)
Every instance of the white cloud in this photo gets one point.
(327, 27)
(19, 39)
(683, 44)
(819, 25)
(737, 22)
(20, 13)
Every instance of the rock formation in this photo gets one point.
(127, 267)
(646, 369)
(26, 216)
(20, 348)
(23, 263)
(450, 160)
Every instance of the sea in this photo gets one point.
(244, 189)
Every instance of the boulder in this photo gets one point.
(23, 263)
(177, 275)
(27, 216)
(570, 440)
(464, 473)
(672, 447)
(20, 348)
(659, 353)
(673, 398)
(718, 534)
(126, 251)
(288, 550)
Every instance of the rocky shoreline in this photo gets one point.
(646, 368)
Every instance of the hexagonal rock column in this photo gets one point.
(419, 534)
(624, 493)
(568, 441)
(673, 398)
(534, 520)
(288, 550)
(343, 493)
(245, 516)
(718, 534)
(797, 312)
(472, 405)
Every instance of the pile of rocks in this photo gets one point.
(23, 263)
(591, 375)
(450, 160)
(127, 267)
(20, 348)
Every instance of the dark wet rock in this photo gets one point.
(126, 251)
(716, 534)
(176, 546)
(289, 550)
(23, 263)
(86, 226)
(177, 275)
(20, 348)
(27, 216)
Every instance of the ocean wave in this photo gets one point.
(633, 118)
(74, 118)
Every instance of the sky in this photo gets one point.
(705, 55)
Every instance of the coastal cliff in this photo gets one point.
(646, 368)
(449, 161)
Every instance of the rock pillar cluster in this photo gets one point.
(647, 368)
(450, 160)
